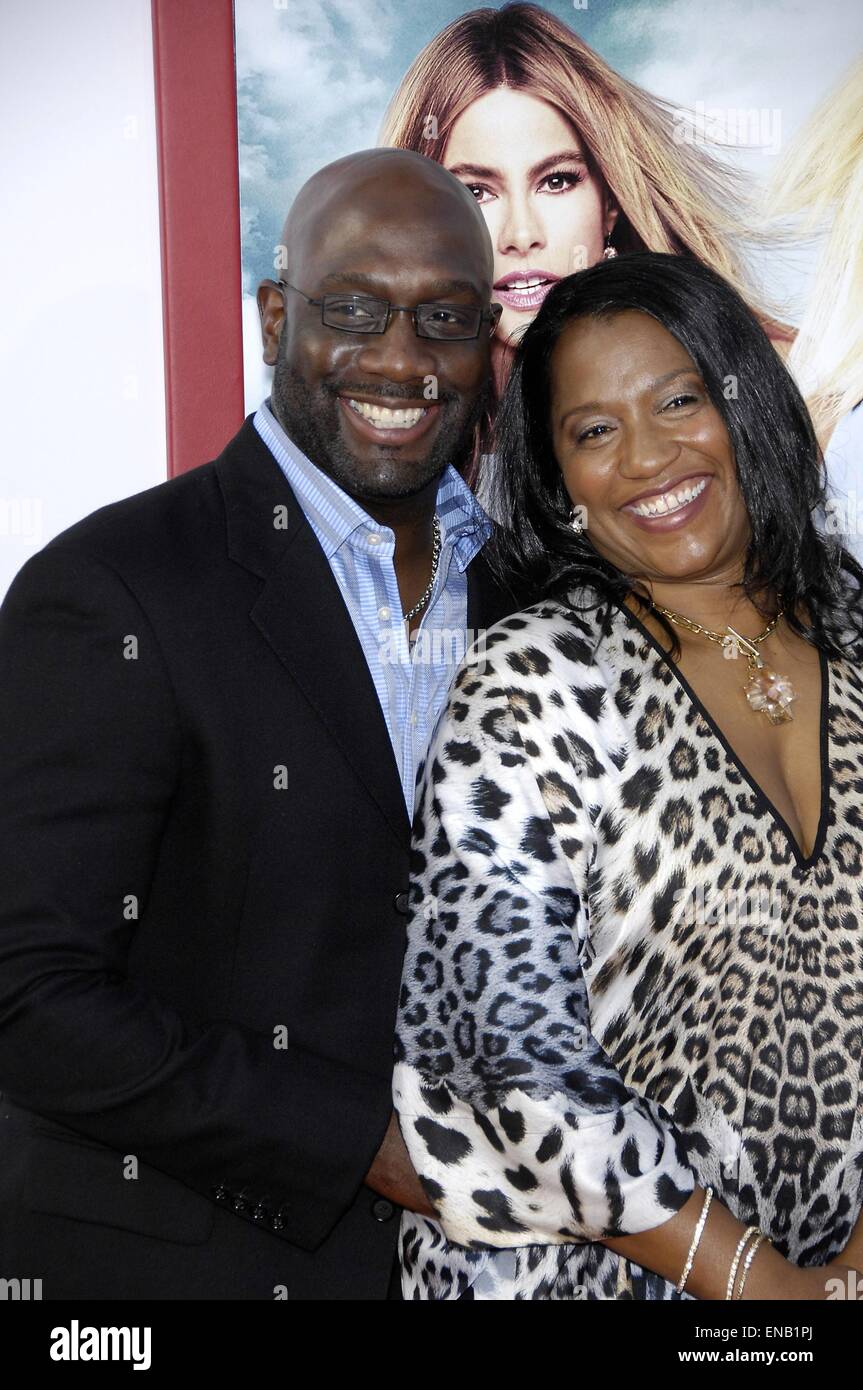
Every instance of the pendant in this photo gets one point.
(770, 694)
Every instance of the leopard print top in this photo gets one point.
(622, 977)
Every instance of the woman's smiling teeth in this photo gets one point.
(387, 419)
(532, 283)
(667, 502)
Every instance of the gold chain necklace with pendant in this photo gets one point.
(767, 691)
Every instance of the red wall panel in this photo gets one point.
(196, 119)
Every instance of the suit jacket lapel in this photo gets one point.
(302, 615)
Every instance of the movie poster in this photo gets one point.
(730, 132)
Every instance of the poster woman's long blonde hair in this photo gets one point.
(820, 181)
(674, 195)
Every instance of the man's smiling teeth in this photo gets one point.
(387, 419)
(669, 501)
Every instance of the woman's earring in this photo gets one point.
(609, 253)
(575, 520)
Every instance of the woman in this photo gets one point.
(820, 183)
(569, 161)
(630, 1024)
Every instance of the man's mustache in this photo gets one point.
(393, 393)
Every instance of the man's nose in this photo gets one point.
(398, 353)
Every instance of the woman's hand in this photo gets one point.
(392, 1174)
(818, 1284)
(850, 1278)
(853, 1253)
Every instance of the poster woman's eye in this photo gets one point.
(562, 181)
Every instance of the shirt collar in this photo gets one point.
(338, 519)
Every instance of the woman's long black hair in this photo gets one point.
(780, 468)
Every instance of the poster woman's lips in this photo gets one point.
(524, 289)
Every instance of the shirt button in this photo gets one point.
(384, 613)
(374, 538)
(382, 1210)
(414, 717)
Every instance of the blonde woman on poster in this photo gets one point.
(820, 182)
(569, 161)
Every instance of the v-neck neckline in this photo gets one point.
(803, 861)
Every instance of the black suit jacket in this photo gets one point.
(171, 912)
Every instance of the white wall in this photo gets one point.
(82, 407)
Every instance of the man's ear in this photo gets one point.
(271, 307)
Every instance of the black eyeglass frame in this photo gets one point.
(491, 315)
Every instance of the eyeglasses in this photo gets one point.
(364, 313)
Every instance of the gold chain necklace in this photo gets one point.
(767, 691)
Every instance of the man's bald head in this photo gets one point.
(382, 412)
(385, 186)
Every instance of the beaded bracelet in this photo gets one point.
(750, 1256)
(747, 1235)
(708, 1198)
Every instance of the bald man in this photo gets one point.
(215, 698)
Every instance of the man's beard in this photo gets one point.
(312, 419)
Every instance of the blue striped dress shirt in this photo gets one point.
(412, 680)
